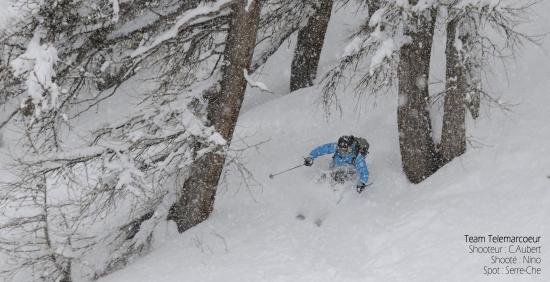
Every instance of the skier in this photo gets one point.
(348, 159)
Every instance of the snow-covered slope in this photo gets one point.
(395, 231)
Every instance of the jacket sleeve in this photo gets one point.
(329, 148)
(362, 169)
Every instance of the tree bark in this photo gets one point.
(413, 119)
(473, 67)
(196, 200)
(308, 49)
(474, 102)
(453, 135)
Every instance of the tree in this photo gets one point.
(132, 168)
(469, 48)
(40, 225)
(453, 134)
(309, 46)
(196, 200)
(413, 119)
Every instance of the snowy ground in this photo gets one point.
(395, 231)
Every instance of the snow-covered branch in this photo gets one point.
(255, 84)
(202, 13)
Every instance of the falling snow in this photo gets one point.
(294, 227)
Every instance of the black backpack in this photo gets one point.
(360, 146)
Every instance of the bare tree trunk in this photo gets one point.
(453, 135)
(308, 49)
(413, 119)
(196, 200)
(471, 44)
(474, 103)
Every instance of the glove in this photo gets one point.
(360, 187)
(308, 161)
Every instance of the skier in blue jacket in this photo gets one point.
(348, 159)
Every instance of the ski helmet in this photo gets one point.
(345, 144)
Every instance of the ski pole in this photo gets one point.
(273, 175)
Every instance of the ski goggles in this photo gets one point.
(342, 151)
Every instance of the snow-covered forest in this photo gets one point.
(274, 140)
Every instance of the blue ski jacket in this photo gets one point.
(338, 160)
